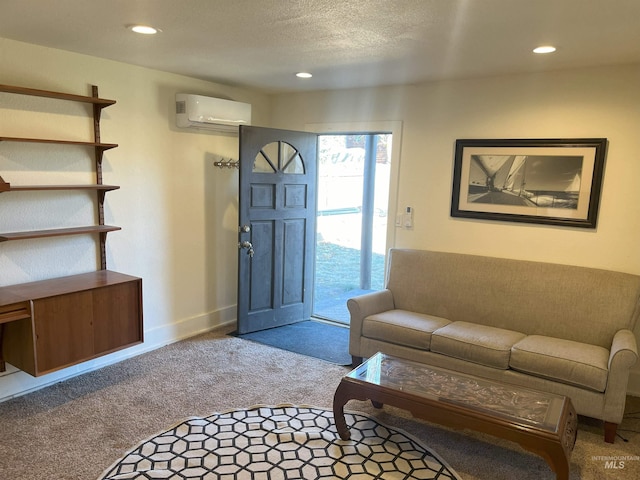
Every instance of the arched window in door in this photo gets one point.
(279, 157)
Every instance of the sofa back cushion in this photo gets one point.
(575, 303)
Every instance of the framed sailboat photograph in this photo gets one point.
(546, 181)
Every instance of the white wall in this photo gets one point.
(178, 212)
(602, 102)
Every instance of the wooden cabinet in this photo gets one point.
(64, 321)
(52, 324)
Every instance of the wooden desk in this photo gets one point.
(52, 324)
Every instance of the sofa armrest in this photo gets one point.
(623, 355)
(361, 307)
(624, 350)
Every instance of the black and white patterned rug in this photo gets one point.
(280, 443)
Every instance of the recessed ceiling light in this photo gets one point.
(303, 75)
(144, 29)
(544, 49)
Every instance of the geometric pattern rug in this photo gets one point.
(283, 442)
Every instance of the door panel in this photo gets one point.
(262, 234)
(277, 205)
(263, 196)
(293, 277)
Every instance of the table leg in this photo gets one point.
(340, 398)
(556, 458)
(562, 469)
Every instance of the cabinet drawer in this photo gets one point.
(17, 311)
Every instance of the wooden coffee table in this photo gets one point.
(543, 423)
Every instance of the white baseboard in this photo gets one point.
(15, 383)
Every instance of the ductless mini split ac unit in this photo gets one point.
(209, 113)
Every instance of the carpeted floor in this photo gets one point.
(315, 339)
(75, 429)
(282, 442)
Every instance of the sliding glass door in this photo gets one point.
(353, 196)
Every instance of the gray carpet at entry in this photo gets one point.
(314, 339)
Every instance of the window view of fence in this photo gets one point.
(353, 195)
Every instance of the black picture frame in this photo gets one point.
(544, 181)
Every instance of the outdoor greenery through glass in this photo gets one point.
(341, 180)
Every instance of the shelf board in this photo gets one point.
(21, 188)
(57, 232)
(102, 146)
(101, 102)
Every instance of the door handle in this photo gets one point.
(248, 246)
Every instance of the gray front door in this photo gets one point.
(276, 239)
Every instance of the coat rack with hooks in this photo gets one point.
(227, 163)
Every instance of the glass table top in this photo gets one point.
(511, 402)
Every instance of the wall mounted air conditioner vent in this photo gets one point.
(209, 113)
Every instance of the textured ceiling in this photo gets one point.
(344, 43)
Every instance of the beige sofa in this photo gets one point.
(557, 328)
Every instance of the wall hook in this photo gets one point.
(228, 163)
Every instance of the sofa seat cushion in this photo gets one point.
(562, 360)
(402, 328)
(476, 343)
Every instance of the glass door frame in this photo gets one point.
(371, 128)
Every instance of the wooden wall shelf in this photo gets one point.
(52, 324)
(100, 102)
(6, 187)
(101, 146)
(56, 232)
(100, 189)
